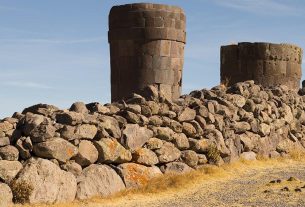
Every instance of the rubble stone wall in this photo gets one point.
(265, 63)
(146, 47)
(50, 155)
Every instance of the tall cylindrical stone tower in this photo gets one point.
(146, 48)
(266, 63)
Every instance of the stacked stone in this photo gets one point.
(265, 63)
(147, 47)
(98, 150)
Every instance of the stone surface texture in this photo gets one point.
(147, 41)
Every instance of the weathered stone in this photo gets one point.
(165, 133)
(4, 141)
(135, 175)
(111, 125)
(72, 167)
(154, 143)
(175, 126)
(236, 99)
(189, 157)
(5, 126)
(241, 127)
(200, 146)
(135, 136)
(111, 151)
(31, 121)
(155, 120)
(87, 153)
(248, 156)
(135, 108)
(9, 170)
(56, 148)
(42, 132)
(70, 118)
(188, 129)
(264, 129)
(131, 117)
(145, 157)
(175, 168)
(25, 147)
(49, 183)
(187, 115)
(181, 142)
(248, 142)
(98, 180)
(6, 195)
(9, 152)
(202, 159)
(168, 153)
(42, 109)
(79, 107)
(85, 131)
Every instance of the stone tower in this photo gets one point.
(146, 48)
(266, 63)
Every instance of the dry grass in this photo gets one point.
(168, 184)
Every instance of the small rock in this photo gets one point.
(79, 107)
(175, 168)
(181, 141)
(292, 179)
(165, 133)
(72, 167)
(154, 143)
(190, 158)
(248, 156)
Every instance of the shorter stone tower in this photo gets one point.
(146, 48)
(266, 63)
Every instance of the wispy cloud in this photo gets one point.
(266, 7)
(26, 84)
(54, 41)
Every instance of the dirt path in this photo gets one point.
(242, 184)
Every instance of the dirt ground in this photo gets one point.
(259, 183)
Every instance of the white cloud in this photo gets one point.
(269, 7)
(26, 84)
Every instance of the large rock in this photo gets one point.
(25, 147)
(190, 157)
(42, 109)
(4, 141)
(248, 156)
(187, 115)
(30, 122)
(111, 151)
(135, 175)
(56, 148)
(98, 180)
(145, 157)
(6, 196)
(48, 182)
(168, 153)
(135, 137)
(87, 153)
(9, 170)
(42, 132)
(5, 126)
(9, 152)
(165, 133)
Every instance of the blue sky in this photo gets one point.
(56, 51)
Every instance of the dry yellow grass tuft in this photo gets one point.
(170, 183)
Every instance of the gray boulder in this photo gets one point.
(145, 157)
(9, 170)
(48, 182)
(168, 153)
(187, 115)
(135, 175)
(111, 151)
(98, 180)
(56, 148)
(175, 168)
(9, 152)
(87, 153)
(135, 137)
